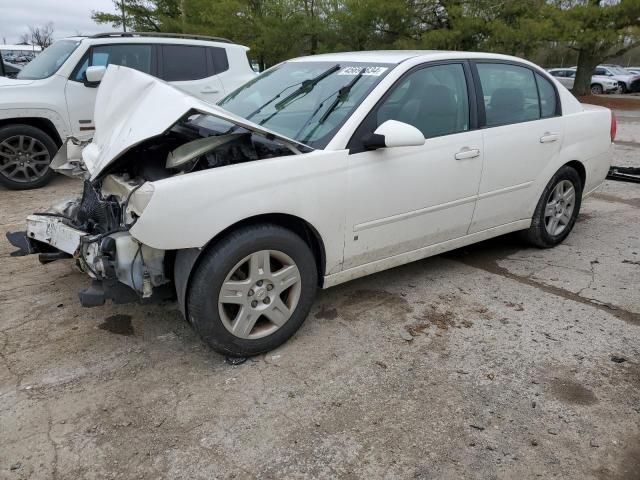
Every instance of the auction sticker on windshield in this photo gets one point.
(368, 71)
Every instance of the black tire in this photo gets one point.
(596, 89)
(209, 275)
(22, 182)
(537, 233)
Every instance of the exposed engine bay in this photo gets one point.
(94, 229)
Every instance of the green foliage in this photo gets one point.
(279, 29)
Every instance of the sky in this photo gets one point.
(69, 17)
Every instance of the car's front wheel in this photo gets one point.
(25, 155)
(252, 290)
(557, 209)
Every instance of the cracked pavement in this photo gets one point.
(492, 361)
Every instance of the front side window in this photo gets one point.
(49, 61)
(510, 93)
(136, 56)
(432, 99)
(305, 101)
(183, 63)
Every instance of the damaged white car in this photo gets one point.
(321, 170)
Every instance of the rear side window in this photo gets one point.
(510, 93)
(547, 97)
(219, 59)
(135, 56)
(183, 62)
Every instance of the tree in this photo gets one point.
(41, 36)
(139, 15)
(597, 30)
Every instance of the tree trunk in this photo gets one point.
(587, 62)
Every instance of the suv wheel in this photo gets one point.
(596, 89)
(253, 290)
(25, 155)
(557, 209)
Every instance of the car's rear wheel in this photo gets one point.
(596, 89)
(557, 209)
(25, 155)
(252, 290)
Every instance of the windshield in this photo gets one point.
(618, 71)
(49, 61)
(305, 101)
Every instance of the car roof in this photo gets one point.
(399, 56)
(146, 37)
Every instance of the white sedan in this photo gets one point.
(321, 170)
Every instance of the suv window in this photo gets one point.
(510, 93)
(432, 99)
(183, 62)
(133, 56)
(558, 73)
(600, 71)
(219, 59)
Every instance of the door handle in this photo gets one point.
(467, 152)
(209, 90)
(548, 137)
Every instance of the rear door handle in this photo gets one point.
(548, 137)
(209, 90)
(467, 152)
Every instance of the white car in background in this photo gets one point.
(53, 96)
(321, 170)
(599, 83)
(619, 74)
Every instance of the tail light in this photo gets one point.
(614, 126)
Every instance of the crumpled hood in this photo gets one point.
(132, 106)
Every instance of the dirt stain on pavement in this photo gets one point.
(362, 301)
(628, 467)
(607, 197)
(118, 324)
(326, 313)
(486, 255)
(570, 391)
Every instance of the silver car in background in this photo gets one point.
(599, 83)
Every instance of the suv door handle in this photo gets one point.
(209, 90)
(548, 137)
(467, 152)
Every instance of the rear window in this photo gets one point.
(183, 62)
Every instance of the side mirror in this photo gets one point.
(394, 134)
(93, 75)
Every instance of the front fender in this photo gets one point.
(187, 211)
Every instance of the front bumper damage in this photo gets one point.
(121, 268)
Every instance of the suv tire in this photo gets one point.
(25, 155)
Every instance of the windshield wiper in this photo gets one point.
(343, 95)
(305, 87)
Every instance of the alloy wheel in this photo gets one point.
(23, 158)
(559, 208)
(259, 294)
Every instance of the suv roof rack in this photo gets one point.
(160, 35)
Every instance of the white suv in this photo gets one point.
(54, 95)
